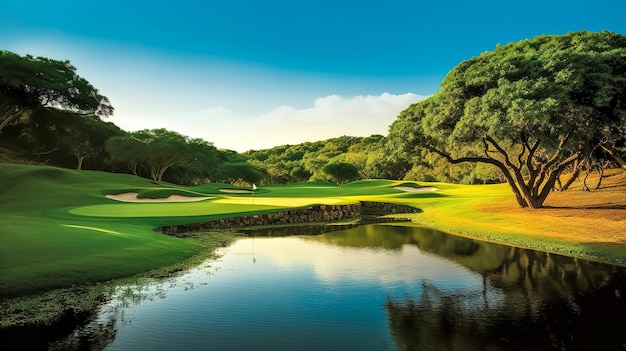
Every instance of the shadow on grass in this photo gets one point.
(609, 206)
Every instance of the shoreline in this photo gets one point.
(80, 302)
(580, 224)
(74, 305)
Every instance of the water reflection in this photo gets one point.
(548, 301)
(592, 319)
(376, 287)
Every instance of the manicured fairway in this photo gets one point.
(203, 208)
(60, 230)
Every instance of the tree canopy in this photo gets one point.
(28, 83)
(306, 161)
(530, 108)
(341, 172)
(158, 149)
(155, 152)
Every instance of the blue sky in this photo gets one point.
(256, 74)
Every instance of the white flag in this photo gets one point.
(253, 186)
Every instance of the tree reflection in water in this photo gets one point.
(528, 300)
(549, 302)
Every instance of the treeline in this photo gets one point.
(51, 115)
(166, 155)
(336, 160)
(525, 114)
(347, 158)
(83, 141)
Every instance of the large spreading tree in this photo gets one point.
(532, 109)
(28, 83)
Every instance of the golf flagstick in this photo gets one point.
(253, 189)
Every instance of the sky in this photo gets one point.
(258, 74)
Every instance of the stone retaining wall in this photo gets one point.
(369, 208)
(319, 213)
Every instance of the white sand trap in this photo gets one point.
(132, 197)
(235, 191)
(426, 189)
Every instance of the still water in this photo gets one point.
(373, 287)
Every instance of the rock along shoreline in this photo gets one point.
(311, 214)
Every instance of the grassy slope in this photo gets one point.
(59, 230)
(43, 247)
(576, 223)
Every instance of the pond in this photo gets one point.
(372, 287)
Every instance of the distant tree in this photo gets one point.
(531, 109)
(84, 137)
(299, 173)
(315, 162)
(342, 172)
(200, 165)
(390, 166)
(62, 138)
(278, 172)
(157, 149)
(28, 83)
(127, 149)
(239, 173)
(306, 161)
(164, 149)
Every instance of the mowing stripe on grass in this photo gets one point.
(280, 201)
(92, 228)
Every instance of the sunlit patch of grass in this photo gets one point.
(102, 230)
(577, 225)
(280, 201)
(186, 209)
(59, 230)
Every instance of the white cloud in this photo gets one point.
(235, 106)
(334, 263)
(331, 116)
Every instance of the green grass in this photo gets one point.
(53, 305)
(61, 238)
(59, 230)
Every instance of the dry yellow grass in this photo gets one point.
(576, 215)
(587, 224)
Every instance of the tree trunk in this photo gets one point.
(571, 179)
(600, 175)
(157, 172)
(80, 162)
(154, 175)
(542, 175)
(601, 168)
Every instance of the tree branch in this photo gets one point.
(558, 150)
(505, 171)
(615, 156)
(10, 118)
(532, 170)
(516, 170)
(556, 173)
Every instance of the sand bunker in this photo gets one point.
(426, 189)
(132, 197)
